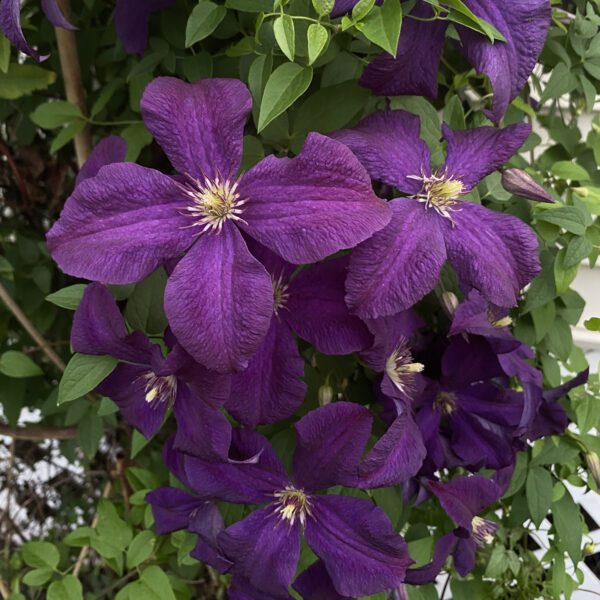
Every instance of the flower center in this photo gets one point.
(292, 504)
(280, 293)
(440, 192)
(213, 202)
(483, 530)
(445, 403)
(401, 369)
(160, 389)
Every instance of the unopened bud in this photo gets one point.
(449, 303)
(325, 395)
(581, 191)
(520, 183)
(589, 549)
(593, 464)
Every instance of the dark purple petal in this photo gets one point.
(317, 312)
(200, 125)
(520, 183)
(131, 22)
(99, 328)
(551, 419)
(308, 207)
(508, 64)
(264, 549)
(428, 420)
(270, 389)
(414, 70)
(55, 16)
(388, 146)
(464, 497)
(464, 556)
(126, 386)
(315, 584)
(10, 26)
(241, 589)
(492, 252)
(219, 301)
(119, 226)
(472, 154)
(398, 265)
(562, 390)
(111, 149)
(427, 573)
(207, 523)
(329, 444)
(355, 539)
(396, 456)
(173, 509)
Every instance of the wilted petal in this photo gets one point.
(414, 70)
(329, 444)
(131, 22)
(472, 154)
(270, 389)
(398, 265)
(111, 149)
(520, 183)
(492, 252)
(119, 226)
(173, 509)
(315, 584)
(10, 26)
(355, 539)
(264, 550)
(508, 64)
(313, 205)
(200, 125)
(388, 145)
(317, 312)
(55, 16)
(219, 301)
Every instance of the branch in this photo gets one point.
(71, 72)
(35, 433)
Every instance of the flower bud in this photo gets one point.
(325, 395)
(589, 549)
(449, 303)
(593, 464)
(520, 183)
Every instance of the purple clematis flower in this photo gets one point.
(111, 149)
(311, 303)
(492, 252)
(508, 64)
(146, 384)
(131, 22)
(355, 540)
(120, 225)
(10, 24)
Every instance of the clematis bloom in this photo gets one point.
(131, 22)
(118, 226)
(492, 252)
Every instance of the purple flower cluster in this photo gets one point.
(302, 248)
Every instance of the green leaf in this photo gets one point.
(498, 562)
(559, 339)
(89, 432)
(578, 249)
(83, 373)
(568, 170)
(38, 577)
(137, 138)
(561, 82)
(285, 85)
(519, 475)
(361, 9)
(382, 26)
(4, 53)
(66, 134)
(144, 310)
(68, 297)
(539, 493)
(323, 7)
(19, 80)
(285, 35)
(156, 580)
(252, 6)
(105, 95)
(67, 588)
(111, 528)
(17, 364)
(41, 555)
(567, 521)
(54, 114)
(570, 218)
(462, 14)
(204, 19)
(563, 276)
(592, 324)
(317, 37)
(140, 549)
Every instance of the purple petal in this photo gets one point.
(356, 541)
(317, 312)
(111, 149)
(10, 26)
(219, 301)
(131, 22)
(427, 573)
(315, 584)
(472, 154)
(126, 386)
(264, 550)
(464, 556)
(508, 64)
(271, 388)
(388, 146)
(313, 205)
(55, 15)
(406, 74)
(173, 509)
(207, 523)
(200, 125)
(329, 443)
(562, 390)
(492, 252)
(397, 266)
(464, 497)
(99, 328)
(396, 456)
(120, 226)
